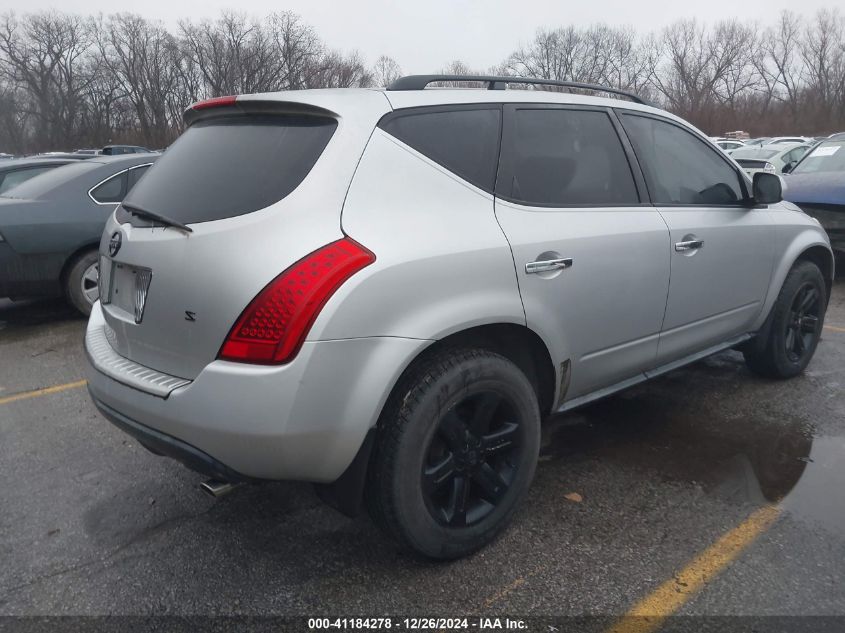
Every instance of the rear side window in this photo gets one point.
(679, 167)
(110, 191)
(229, 166)
(565, 157)
(463, 140)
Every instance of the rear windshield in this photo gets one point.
(225, 167)
(754, 153)
(47, 182)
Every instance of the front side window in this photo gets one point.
(679, 167)
(112, 190)
(463, 140)
(566, 157)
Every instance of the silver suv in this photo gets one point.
(385, 291)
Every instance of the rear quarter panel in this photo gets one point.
(41, 235)
(443, 263)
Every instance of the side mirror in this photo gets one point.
(767, 188)
(787, 168)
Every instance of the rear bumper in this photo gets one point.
(305, 420)
(169, 446)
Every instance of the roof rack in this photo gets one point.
(419, 82)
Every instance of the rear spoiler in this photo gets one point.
(235, 105)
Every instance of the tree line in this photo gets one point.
(70, 81)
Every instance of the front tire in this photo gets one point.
(456, 453)
(788, 339)
(81, 282)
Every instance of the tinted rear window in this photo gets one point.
(225, 167)
(12, 179)
(463, 140)
(52, 179)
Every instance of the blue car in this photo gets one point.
(817, 185)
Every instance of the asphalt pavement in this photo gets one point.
(709, 491)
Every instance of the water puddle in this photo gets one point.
(757, 460)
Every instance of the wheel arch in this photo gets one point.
(824, 259)
(70, 260)
(518, 343)
(808, 245)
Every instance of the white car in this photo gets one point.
(774, 159)
(729, 145)
(778, 140)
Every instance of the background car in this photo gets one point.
(65, 155)
(114, 150)
(758, 142)
(15, 172)
(729, 145)
(777, 140)
(50, 227)
(771, 158)
(817, 185)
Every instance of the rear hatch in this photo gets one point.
(248, 189)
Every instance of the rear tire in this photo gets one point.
(788, 339)
(455, 454)
(81, 281)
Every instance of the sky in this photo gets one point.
(425, 35)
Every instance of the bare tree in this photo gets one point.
(386, 71)
(143, 58)
(42, 54)
(823, 52)
(68, 80)
(334, 70)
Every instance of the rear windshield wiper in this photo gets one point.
(152, 215)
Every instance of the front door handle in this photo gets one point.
(688, 245)
(546, 265)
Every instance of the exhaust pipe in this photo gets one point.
(217, 488)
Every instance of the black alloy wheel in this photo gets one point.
(802, 325)
(471, 460)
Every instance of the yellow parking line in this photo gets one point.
(834, 328)
(650, 612)
(43, 392)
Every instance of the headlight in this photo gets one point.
(769, 167)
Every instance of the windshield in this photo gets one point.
(755, 152)
(45, 183)
(825, 157)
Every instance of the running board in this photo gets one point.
(651, 373)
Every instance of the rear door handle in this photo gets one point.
(546, 265)
(688, 245)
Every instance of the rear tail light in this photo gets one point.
(215, 102)
(273, 326)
